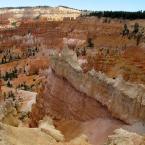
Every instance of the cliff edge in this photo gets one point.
(116, 94)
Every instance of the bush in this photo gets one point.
(14, 24)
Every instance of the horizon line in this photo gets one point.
(35, 6)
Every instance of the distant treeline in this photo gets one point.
(119, 14)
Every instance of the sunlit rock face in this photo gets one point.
(116, 94)
(73, 43)
(47, 126)
(122, 137)
(51, 13)
(25, 136)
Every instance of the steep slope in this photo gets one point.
(23, 136)
(116, 94)
(73, 111)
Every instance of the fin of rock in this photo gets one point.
(116, 94)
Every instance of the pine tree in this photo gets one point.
(136, 28)
(90, 43)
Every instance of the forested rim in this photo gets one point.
(119, 14)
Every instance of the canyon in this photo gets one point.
(116, 94)
(70, 79)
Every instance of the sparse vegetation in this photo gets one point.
(90, 43)
(10, 75)
(125, 30)
(137, 33)
(14, 24)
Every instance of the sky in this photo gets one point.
(124, 5)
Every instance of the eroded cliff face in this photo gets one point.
(52, 13)
(61, 100)
(116, 94)
(74, 112)
(73, 99)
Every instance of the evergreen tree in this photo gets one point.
(90, 43)
(9, 84)
(125, 30)
(136, 28)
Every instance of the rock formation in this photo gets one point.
(116, 94)
(51, 13)
(122, 137)
(74, 112)
(69, 104)
(35, 136)
(47, 126)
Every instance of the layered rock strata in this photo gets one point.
(60, 100)
(126, 101)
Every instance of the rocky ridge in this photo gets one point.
(116, 94)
